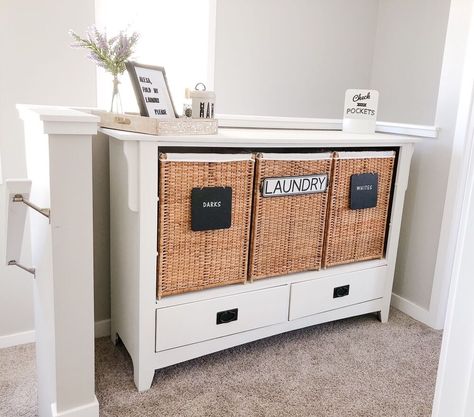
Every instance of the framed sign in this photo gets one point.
(151, 89)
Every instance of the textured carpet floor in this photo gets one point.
(353, 367)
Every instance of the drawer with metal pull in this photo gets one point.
(330, 293)
(195, 322)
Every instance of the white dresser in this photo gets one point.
(159, 333)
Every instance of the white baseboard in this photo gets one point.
(87, 410)
(411, 309)
(17, 339)
(101, 328)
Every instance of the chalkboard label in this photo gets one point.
(364, 191)
(211, 208)
(284, 186)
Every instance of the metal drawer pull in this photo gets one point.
(341, 291)
(227, 316)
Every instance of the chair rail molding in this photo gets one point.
(59, 164)
(308, 123)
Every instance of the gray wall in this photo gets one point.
(407, 69)
(297, 57)
(325, 47)
(407, 58)
(267, 56)
(40, 68)
(292, 57)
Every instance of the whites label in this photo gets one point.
(306, 184)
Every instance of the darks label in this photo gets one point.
(211, 208)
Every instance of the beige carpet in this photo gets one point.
(354, 367)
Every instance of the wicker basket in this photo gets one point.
(193, 260)
(287, 232)
(357, 235)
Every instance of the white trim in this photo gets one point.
(365, 154)
(87, 410)
(16, 339)
(407, 129)
(212, 44)
(295, 156)
(102, 329)
(454, 394)
(458, 54)
(207, 157)
(268, 138)
(270, 122)
(60, 114)
(306, 123)
(408, 307)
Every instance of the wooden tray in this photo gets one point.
(174, 127)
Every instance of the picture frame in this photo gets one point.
(151, 90)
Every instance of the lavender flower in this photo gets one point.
(110, 54)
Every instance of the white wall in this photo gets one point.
(37, 67)
(173, 34)
(292, 57)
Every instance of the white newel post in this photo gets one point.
(59, 164)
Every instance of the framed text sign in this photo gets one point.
(151, 89)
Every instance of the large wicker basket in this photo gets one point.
(193, 260)
(288, 231)
(357, 235)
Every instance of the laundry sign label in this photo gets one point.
(360, 111)
(284, 186)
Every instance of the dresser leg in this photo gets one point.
(383, 315)
(143, 378)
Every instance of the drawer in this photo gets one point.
(203, 320)
(316, 296)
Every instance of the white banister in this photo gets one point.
(59, 165)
